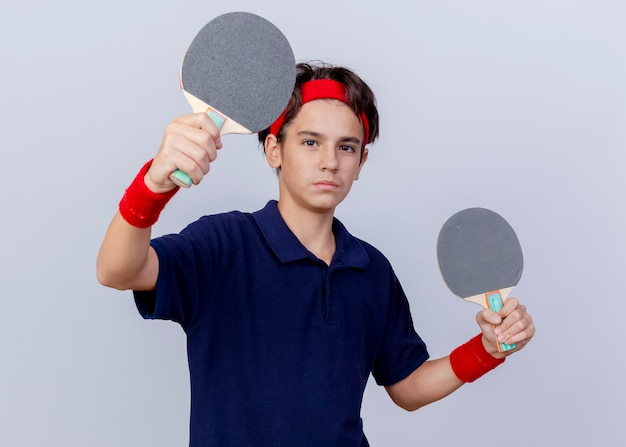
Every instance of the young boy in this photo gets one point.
(286, 314)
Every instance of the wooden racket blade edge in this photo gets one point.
(482, 301)
(229, 126)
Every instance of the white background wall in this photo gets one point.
(515, 106)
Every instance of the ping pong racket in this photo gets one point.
(240, 70)
(480, 258)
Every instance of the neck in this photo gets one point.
(314, 230)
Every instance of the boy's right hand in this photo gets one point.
(190, 143)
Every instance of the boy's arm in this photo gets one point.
(436, 379)
(432, 381)
(126, 260)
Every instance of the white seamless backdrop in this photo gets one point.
(515, 106)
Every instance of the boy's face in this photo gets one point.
(319, 157)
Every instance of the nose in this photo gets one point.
(328, 159)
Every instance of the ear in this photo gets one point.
(272, 152)
(363, 160)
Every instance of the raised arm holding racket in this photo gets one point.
(286, 313)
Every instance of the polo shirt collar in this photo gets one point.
(286, 246)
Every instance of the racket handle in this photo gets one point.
(494, 300)
(181, 178)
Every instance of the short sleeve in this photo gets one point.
(402, 350)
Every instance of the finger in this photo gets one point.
(201, 121)
(188, 147)
(488, 317)
(509, 305)
(517, 327)
(198, 129)
(506, 326)
(519, 340)
(195, 143)
(192, 160)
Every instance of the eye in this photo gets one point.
(309, 143)
(347, 148)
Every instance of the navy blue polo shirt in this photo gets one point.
(280, 345)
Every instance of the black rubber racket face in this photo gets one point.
(478, 252)
(241, 65)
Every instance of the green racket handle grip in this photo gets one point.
(181, 178)
(494, 299)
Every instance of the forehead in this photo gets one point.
(328, 114)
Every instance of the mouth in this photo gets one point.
(326, 184)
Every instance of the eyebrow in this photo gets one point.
(310, 133)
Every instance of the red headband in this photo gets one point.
(321, 89)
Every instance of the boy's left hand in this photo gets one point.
(513, 326)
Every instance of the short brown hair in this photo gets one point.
(360, 97)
